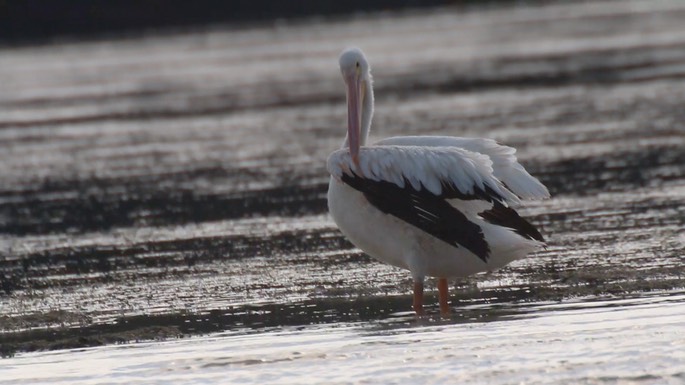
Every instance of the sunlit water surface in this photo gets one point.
(634, 340)
(175, 185)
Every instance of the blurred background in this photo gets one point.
(39, 21)
(162, 175)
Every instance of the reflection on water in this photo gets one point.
(602, 341)
(173, 188)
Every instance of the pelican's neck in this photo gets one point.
(366, 113)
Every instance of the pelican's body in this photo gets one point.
(437, 206)
(398, 243)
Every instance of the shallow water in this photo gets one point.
(610, 340)
(174, 186)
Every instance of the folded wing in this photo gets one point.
(505, 166)
(430, 188)
(446, 172)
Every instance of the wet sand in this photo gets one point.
(169, 186)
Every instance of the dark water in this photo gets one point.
(174, 186)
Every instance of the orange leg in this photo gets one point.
(443, 296)
(418, 297)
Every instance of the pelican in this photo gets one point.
(437, 206)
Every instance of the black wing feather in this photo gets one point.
(449, 191)
(501, 215)
(426, 211)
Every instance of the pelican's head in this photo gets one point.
(356, 74)
(353, 61)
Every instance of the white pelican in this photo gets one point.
(437, 206)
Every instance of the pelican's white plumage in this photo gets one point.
(422, 166)
(505, 166)
(437, 206)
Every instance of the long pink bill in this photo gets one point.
(353, 115)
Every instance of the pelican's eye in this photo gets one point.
(357, 64)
